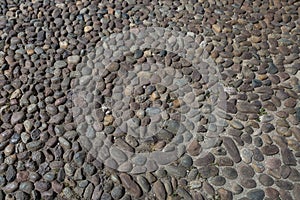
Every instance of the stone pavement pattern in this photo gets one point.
(149, 99)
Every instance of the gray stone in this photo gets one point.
(67, 192)
(229, 173)
(256, 194)
(172, 126)
(153, 111)
(10, 187)
(42, 186)
(267, 127)
(186, 161)
(297, 113)
(294, 175)
(118, 155)
(26, 187)
(163, 158)
(138, 169)
(79, 158)
(285, 185)
(248, 183)
(138, 54)
(73, 59)
(69, 169)
(60, 64)
(232, 149)
(218, 180)
(88, 169)
(176, 171)
(256, 83)
(139, 159)
(64, 143)
(236, 124)
(50, 176)
(246, 171)
(246, 155)
(56, 119)
(265, 180)
(10, 173)
(106, 196)
(208, 171)
(22, 195)
(258, 142)
(144, 184)
(151, 165)
(117, 192)
(285, 171)
(246, 107)
(164, 135)
(184, 194)
(88, 191)
(208, 188)
(17, 117)
(125, 167)
(34, 145)
(257, 155)
(272, 68)
(296, 190)
(32, 108)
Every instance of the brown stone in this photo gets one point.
(290, 102)
(17, 117)
(272, 193)
(108, 120)
(270, 150)
(224, 161)
(288, 157)
(130, 185)
(42, 186)
(176, 103)
(56, 186)
(159, 190)
(194, 148)
(216, 28)
(225, 194)
(22, 176)
(205, 160)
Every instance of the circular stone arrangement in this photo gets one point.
(146, 96)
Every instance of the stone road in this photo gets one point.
(140, 99)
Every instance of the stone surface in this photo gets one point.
(159, 100)
(288, 157)
(229, 173)
(159, 190)
(232, 149)
(256, 194)
(265, 180)
(130, 185)
(204, 160)
(270, 150)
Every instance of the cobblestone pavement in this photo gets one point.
(133, 99)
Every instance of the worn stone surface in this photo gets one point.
(152, 100)
(232, 149)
